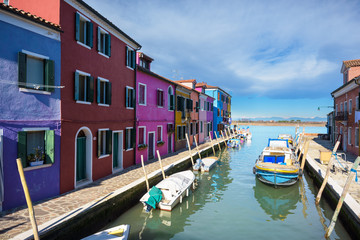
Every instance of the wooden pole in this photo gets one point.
(342, 198)
(304, 155)
(217, 140)
(212, 145)
(197, 147)
(161, 166)
(146, 178)
(318, 197)
(298, 143)
(28, 199)
(188, 142)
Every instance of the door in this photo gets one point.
(151, 147)
(80, 158)
(118, 151)
(169, 143)
(1, 172)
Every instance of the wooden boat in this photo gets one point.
(173, 189)
(120, 232)
(233, 143)
(208, 163)
(277, 166)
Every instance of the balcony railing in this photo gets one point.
(341, 116)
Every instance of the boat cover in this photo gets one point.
(155, 196)
(278, 143)
(174, 183)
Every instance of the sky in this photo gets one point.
(276, 58)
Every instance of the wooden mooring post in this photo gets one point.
(342, 198)
(146, 178)
(161, 166)
(197, 148)
(217, 140)
(212, 145)
(318, 197)
(28, 199)
(188, 142)
(306, 148)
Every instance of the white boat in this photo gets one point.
(120, 232)
(173, 189)
(205, 164)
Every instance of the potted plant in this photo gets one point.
(142, 146)
(160, 143)
(36, 158)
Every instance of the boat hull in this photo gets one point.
(125, 229)
(277, 177)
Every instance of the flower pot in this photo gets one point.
(33, 164)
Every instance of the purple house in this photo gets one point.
(155, 104)
(29, 106)
(205, 114)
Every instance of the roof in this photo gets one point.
(350, 63)
(202, 84)
(185, 81)
(147, 71)
(144, 56)
(108, 22)
(29, 16)
(344, 85)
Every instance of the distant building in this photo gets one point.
(346, 103)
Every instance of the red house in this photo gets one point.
(98, 98)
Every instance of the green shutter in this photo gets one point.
(22, 69)
(22, 147)
(133, 137)
(108, 45)
(76, 87)
(126, 97)
(108, 93)
(126, 56)
(126, 139)
(171, 102)
(108, 141)
(98, 39)
(90, 89)
(49, 75)
(98, 91)
(133, 100)
(50, 146)
(99, 144)
(89, 37)
(77, 26)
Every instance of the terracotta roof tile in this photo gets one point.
(189, 80)
(29, 16)
(352, 63)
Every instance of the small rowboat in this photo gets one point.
(120, 232)
(205, 164)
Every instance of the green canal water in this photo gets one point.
(230, 203)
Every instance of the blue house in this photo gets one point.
(29, 106)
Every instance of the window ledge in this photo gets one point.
(130, 68)
(103, 105)
(104, 156)
(38, 167)
(142, 104)
(83, 102)
(130, 149)
(104, 55)
(160, 106)
(130, 108)
(34, 91)
(84, 45)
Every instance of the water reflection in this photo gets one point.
(277, 203)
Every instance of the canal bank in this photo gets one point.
(350, 211)
(71, 215)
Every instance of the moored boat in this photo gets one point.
(120, 232)
(171, 189)
(233, 143)
(277, 165)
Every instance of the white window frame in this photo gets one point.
(144, 127)
(82, 17)
(103, 80)
(128, 52)
(145, 92)
(104, 143)
(157, 100)
(157, 128)
(350, 106)
(87, 75)
(128, 141)
(127, 87)
(349, 136)
(103, 32)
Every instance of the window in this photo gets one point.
(181, 130)
(84, 31)
(171, 98)
(103, 42)
(160, 98)
(103, 91)
(104, 142)
(142, 134)
(356, 137)
(142, 94)
(130, 57)
(218, 96)
(201, 126)
(218, 112)
(345, 107)
(197, 107)
(36, 145)
(129, 138)
(349, 136)
(357, 103)
(350, 106)
(84, 87)
(189, 105)
(129, 97)
(341, 107)
(197, 128)
(144, 63)
(191, 129)
(159, 133)
(35, 72)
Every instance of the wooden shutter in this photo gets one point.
(126, 139)
(99, 143)
(89, 37)
(133, 60)
(126, 97)
(49, 75)
(98, 90)
(171, 102)
(76, 86)
(108, 45)
(108, 141)
(90, 89)
(22, 69)
(98, 39)
(22, 147)
(50, 146)
(133, 99)
(126, 56)
(108, 93)
(133, 138)
(77, 26)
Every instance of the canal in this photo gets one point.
(230, 203)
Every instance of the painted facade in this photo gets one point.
(346, 108)
(30, 106)
(182, 115)
(155, 105)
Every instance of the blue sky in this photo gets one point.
(276, 58)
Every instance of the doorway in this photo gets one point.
(151, 148)
(117, 151)
(170, 143)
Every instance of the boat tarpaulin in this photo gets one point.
(155, 197)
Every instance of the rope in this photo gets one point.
(354, 170)
(339, 161)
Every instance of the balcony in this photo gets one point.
(341, 116)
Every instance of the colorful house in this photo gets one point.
(30, 106)
(206, 113)
(98, 70)
(346, 104)
(155, 107)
